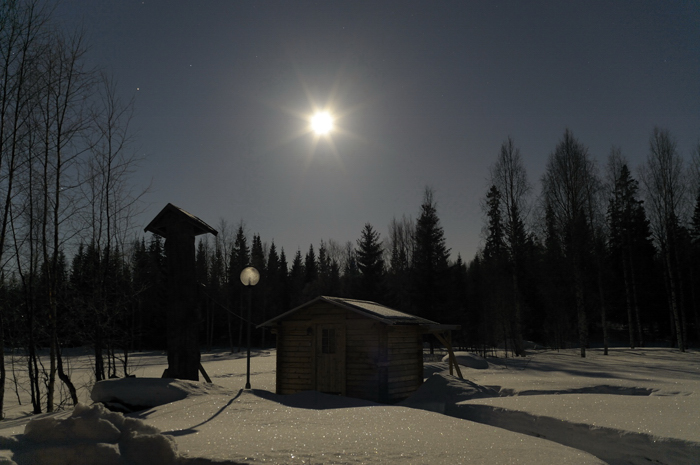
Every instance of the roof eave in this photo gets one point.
(439, 328)
(273, 321)
(199, 226)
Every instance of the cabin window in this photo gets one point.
(328, 341)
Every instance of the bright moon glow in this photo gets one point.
(322, 123)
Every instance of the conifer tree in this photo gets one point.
(217, 290)
(310, 266)
(351, 273)
(324, 271)
(334, 285)
(430, 261)
(398, 276)
(311, 275)
(276, 281)
(499, 321)
(257, 255)
(284, 278)
(495, 248)
(629, 239)
(240, 258)
(201, 262)
(261, 290)
(370, 263)
(297, 275)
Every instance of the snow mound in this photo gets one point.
(134, 394)
(469, 360)
(93, 435)
(442, 389)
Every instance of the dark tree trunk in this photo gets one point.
(674, 302)
(603, 308)
(66, 379)
(3, 373)
(628, 300)
(517, 326)
(580, 309)
(637, 313)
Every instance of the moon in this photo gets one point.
(322, 123)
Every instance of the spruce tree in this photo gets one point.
(284, 279)
(240, 258)
(275, 284)
(310, 266)
(499, 320)
(257, 255)
(297, 274)
(201, 263)
(430, 261)
(629, 243)
(324, 271)
(371, 265)
(495, 242)
(351, 273)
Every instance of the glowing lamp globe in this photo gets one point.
(250, 276)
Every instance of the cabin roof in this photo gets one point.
(372, 310)
(171, 215)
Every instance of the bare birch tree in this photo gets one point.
(567, 192)
(21, 43)
(110, 201)
(509, 177)
(62, 120)
(666, 189)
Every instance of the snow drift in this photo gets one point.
(92, 435)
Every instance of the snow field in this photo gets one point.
(548, 408)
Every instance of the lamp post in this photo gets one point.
(249, 277)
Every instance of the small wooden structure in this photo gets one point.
(351, 347)
(179, 229)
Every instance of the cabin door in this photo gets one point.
(330, 359)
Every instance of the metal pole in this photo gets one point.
(250, 304)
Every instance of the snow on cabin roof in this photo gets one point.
(379, 310)
(369, 309)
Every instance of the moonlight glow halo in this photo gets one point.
(322, 123)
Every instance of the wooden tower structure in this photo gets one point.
(179, 229)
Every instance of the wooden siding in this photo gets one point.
(295, 358)
(405, 357)
(382, 363)
(362, 351)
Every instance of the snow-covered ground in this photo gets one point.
(631, 407)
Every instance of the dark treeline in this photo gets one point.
(593, 254)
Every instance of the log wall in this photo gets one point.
(382, 363)
(405, 362)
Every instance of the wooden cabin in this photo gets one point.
(350, 347)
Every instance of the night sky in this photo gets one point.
(424, 93)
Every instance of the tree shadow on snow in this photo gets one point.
(193, 429)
